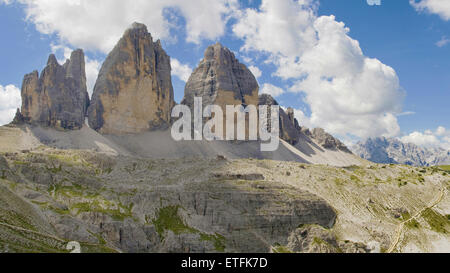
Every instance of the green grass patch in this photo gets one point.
(281, 249)
(99, 237)
(217, 239)
(167, 218)
(437, 222)
(119, 213)
(412, 224)
(354, 178)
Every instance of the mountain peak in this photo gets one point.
(392, 150)
(221, 79)
(52, 60)
(139, 26)
(133, 92)
(51, 100)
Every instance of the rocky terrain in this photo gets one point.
(122, 184)
(49, 197)
(384, 150)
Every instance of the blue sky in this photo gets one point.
(300, 51)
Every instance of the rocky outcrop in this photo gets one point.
(58, 98)
(289, 128)
(293, 133)
(220, 79)
(128, 204)
(18, 118)
(133, 92)
(315, 239)
(327, 141)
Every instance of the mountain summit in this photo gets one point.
(133, 92)
(221, 79)
(393, 151)
(58, 98)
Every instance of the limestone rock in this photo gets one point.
(289, 127)
(133, 92)
(221, 79)
(18, 118)
(58, 98)
(327, 141)
(315, 239)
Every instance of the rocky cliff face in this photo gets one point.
(390, 150)
(293, 133)
(289, 128)
(133, 92)
(221, 79)
(327, 141)
(58, 98)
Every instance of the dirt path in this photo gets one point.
(401, 226)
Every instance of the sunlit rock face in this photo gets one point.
(220, 79)
(133, 92)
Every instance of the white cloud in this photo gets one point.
(10, 100)
(438, 138)
(441, 131)
(302, 119)
(92, 68)
(272, 90)
(348, 93)
(256, 71)
(421, 139)
(182, 71)
(98, 25)
(406, 113)
(443, 42)
(440, 7)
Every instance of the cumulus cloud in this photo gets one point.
(92, 68)
(10, 100)
(438, 138)
(98, 25)
(182, 71)
(421, 139)
(302, 119)
(256, 71)
(347, 92)
(440, 7)
(271, 89)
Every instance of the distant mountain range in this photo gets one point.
(394, 151)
